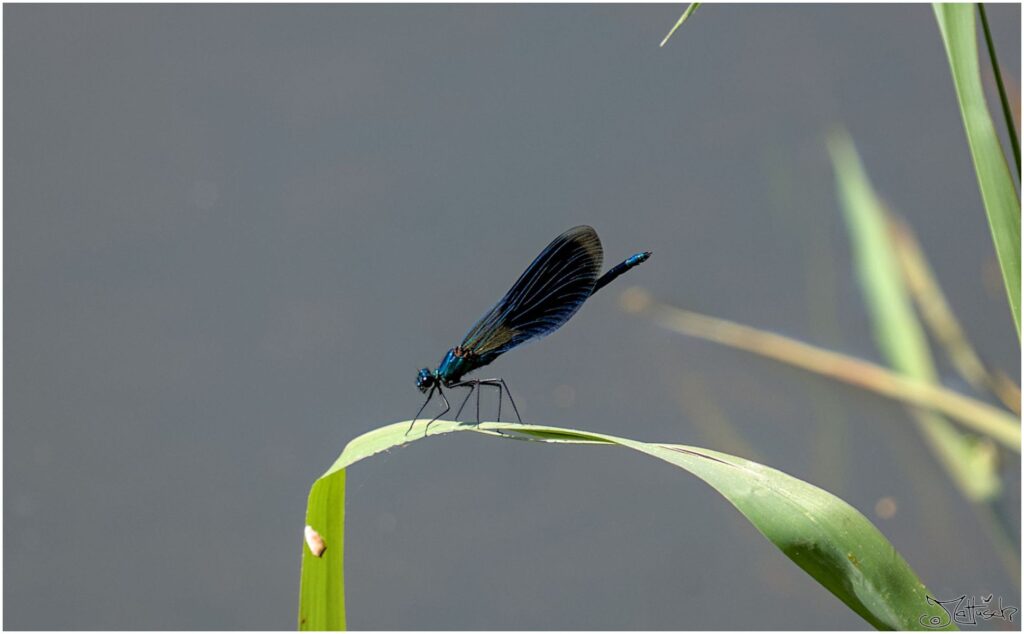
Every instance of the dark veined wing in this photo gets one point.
(545, 296)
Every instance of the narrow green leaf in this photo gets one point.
(322, 588)
(693, 6)
(829, 539)
(956, 23)
(899, 333)
(1011, 129)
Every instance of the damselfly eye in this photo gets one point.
(424, 379)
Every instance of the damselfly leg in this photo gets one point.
(499, 397)
(447, 406)
(502, 388)
(430, 395)
(511, 400)
(415, 418)
(472, 386)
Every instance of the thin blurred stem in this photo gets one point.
(975, 414)
(939, 317)
(1011, 128)
(1007, 391)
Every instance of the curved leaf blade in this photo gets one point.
(825, 536)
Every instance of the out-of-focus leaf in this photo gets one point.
(898, 332)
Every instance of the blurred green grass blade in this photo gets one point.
(898, 331)
(829, 539)
(686, 14)
(956, 23)
(322, 586)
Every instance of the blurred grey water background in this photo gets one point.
(233, 233)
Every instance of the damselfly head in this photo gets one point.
(425, 379)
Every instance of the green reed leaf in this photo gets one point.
(829, 539)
